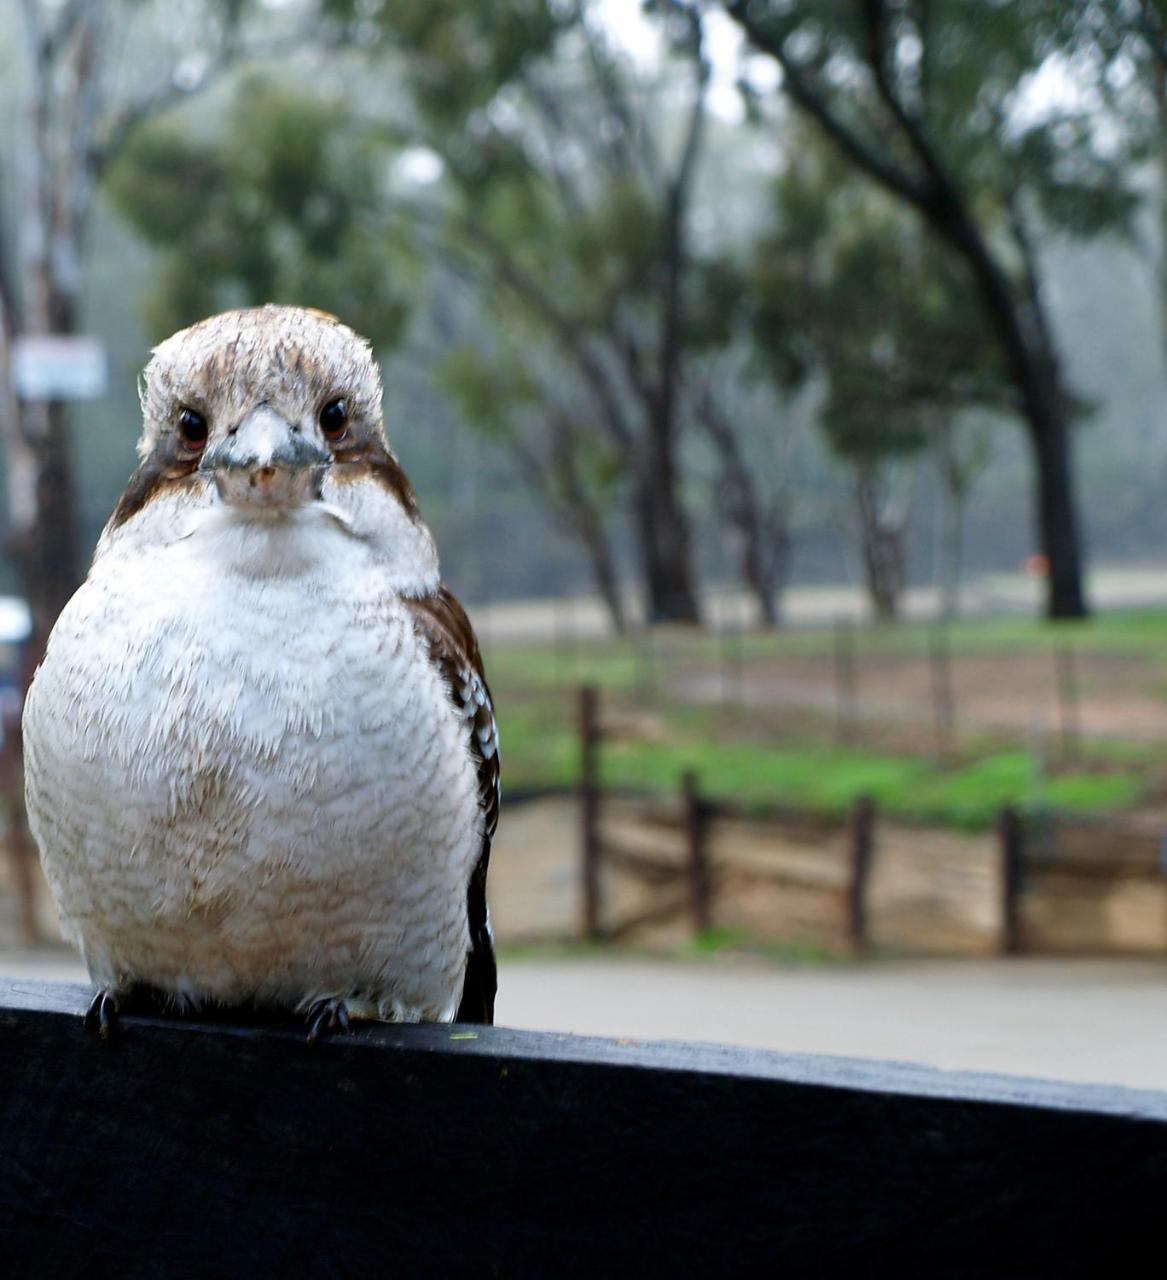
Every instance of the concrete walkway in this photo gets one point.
(1088, 1020)
(1101, 1021)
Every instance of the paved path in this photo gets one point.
(1121, 587)
(1103, 1021)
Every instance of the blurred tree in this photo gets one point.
(75, 122)
(284, 205)
(565, 460)
(962, 450)
(1127, 42)
(562, 197)
(843, 288)
(564, 207)
(925, 98)
(570, 182)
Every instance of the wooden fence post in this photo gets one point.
(565, 640)
(645, 663)
(589, 805)
(943, 704)
(696, 864)
(1067, 679)
(22, 855)
(844, 681)
(731, 666)
(1011, 835)
(862, 847)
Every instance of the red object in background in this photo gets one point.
(1037, 566)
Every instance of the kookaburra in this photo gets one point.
(261, 757)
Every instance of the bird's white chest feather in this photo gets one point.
(246, 779)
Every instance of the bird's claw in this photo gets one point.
(325, 1016)
(101, 1018)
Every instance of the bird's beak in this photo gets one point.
(266, 462)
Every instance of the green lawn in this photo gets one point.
(539, 748)
(752, 760)
(634, 662)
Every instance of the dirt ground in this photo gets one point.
(1116, 695)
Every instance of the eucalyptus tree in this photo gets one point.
(927, 99)
(570, 174)
(844, 289)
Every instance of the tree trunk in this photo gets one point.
(951, 549)
(962, 454)
(663, 545)
(1022, 330)
(882, 541)
(42, 511)
(764, 575)
(1018, 320)
(47, 551)
(765, 536)
(42, 494)
(765, 553)
(1057, 517)
(603, 565)
(663, 523)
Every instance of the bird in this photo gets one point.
(261, 754)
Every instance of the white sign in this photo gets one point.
(59, 368)
(15, 620)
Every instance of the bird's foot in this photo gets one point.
(101, 1018)
(326, 1015)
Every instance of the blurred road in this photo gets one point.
(1088, 1020)
(524, 621)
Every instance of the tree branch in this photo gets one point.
(799, 88)
(636, 137)
(59, 36)
(940, 182)
(231, 56)
(1031, 276)
(677, 196)
(568, 332)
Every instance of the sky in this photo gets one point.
(723, 40)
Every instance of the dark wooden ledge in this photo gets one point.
(201, 1149)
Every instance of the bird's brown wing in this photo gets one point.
(442, 623)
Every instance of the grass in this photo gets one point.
(744, 759)
(632, 662)
(540, 749)
(720, 941)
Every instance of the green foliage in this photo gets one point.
(490, 392)
(848, 283)
(282, 204)
(959, 70)
(457, 56)
(541, 747)
(845, 287)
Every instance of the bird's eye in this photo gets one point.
(192, 427)
(334, 420)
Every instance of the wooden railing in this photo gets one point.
(1046, 883)
(196, 1149)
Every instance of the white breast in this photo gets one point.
(245, 778)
